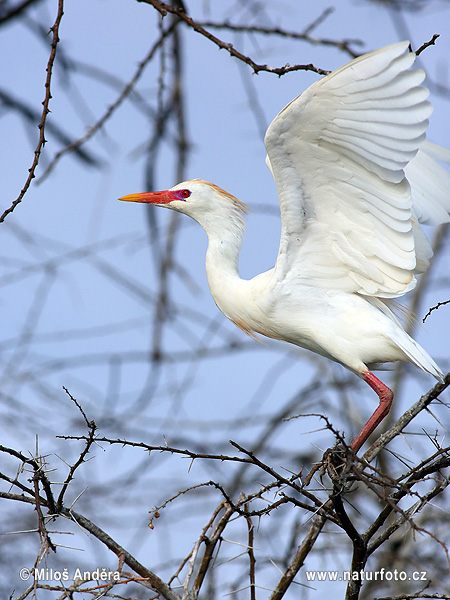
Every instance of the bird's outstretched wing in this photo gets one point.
(337, 154)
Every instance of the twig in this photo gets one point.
(45, 111)
(78, 405)
(170, 449)
(438, 305)
(210, 543)
(278, 477)
(194, 552)
(407, 514)
(164, 9)
(37, 468)
(251, 553)
(296, 35)
(47, 543)
(89, 441)
(426, 44)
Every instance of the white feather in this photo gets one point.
(337, 154)
(350, 237)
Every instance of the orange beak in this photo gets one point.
(151, 197)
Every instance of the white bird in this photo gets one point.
(354, 176)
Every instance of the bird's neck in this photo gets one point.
(222, 256)
(222, 259)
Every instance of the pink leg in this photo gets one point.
(386, 396)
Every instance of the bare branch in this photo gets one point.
(210, 544)
(300, 556)
(251, 554)
(438, 305)
(305, 35)
(427, 44)
(81, 459)
(164, 9)
(46, 110)
(169, 449)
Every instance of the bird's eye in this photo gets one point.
(185, 193)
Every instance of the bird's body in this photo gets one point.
(350, 240)
(266, 304)
(355, 330)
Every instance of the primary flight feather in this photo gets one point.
(354, 177)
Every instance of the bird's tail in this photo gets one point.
(417, 355)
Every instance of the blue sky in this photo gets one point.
(68, 319)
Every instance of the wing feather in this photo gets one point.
(430, 184)
(338, 154)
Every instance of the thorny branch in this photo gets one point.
(45, 112)
(184, 452)
(438, 305)
(344, 45)
(164, 9)
(251, 552)
(344, 471)
(343, 474)
(81, 459)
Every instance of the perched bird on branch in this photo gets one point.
(355, 177)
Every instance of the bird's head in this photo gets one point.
(203, 201)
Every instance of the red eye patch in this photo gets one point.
(181, 194)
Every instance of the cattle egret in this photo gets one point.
(354, 176)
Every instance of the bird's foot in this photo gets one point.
(336, 462)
